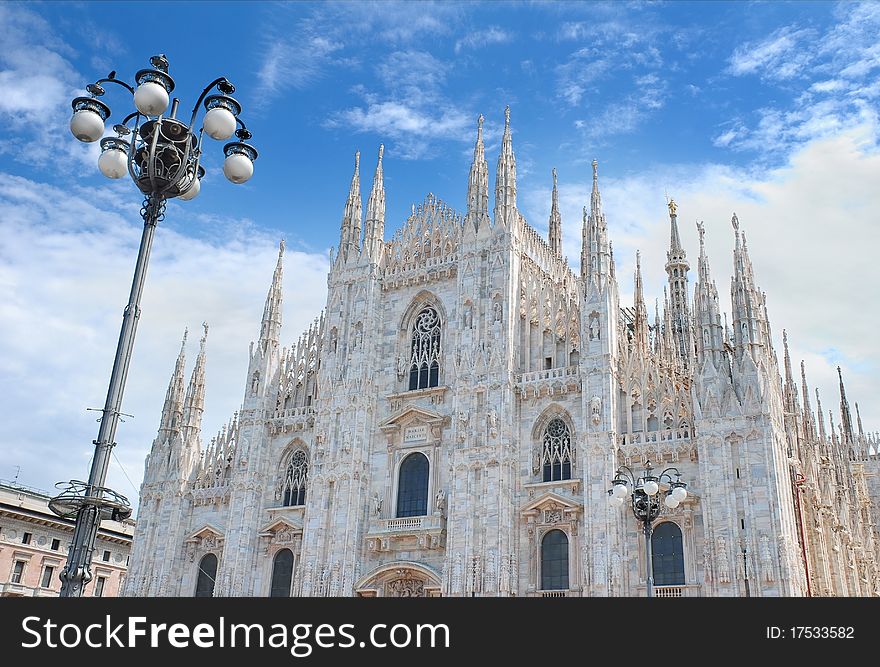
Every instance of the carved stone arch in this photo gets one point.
(400, 579)
(420, 301)
(552, 411)
(292, 474)
(554, 451)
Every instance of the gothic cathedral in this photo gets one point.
(451, 422)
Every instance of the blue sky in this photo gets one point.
(768, 109)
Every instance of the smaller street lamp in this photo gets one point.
(645, 493)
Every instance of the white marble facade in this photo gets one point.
(522, 366)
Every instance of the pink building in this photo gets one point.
(34, 544)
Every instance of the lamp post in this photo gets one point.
(645, 494)
(161, 154)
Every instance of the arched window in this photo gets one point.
(207, 575)
(667, 555)
(556, 451)
(424, 364)
(293, 482)
(282, 574)
(412, 488)
(554, 561)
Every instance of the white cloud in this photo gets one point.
(412, 111)
(66, 260)
(411, 128)
(483, 37)
(811, 229)
(625, 115)
(780, 56)
(299, 49)
(36, 99)
(830, 80)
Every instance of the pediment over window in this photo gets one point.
(415, 424)
(205, 539)
(552, 508)
(205, 533)
(278, 526)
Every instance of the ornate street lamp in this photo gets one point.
(161, 154)
(646, 493)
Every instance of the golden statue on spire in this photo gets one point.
(673, 207)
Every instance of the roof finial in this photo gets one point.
(735, 222)
(507, 117)
(673, 207)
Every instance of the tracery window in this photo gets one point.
(293, 483)
(424, 365)
(667, 552)
(556, 451)
(554, 561)
(207, 575)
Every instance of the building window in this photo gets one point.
(424, 364)
(207, 574)
(99, 586)
(554, 561)
(293, 484)
(26, 538)
(412, 488)
(46, 581)
(56, 544)
(667, 553)
(556, 451)
(18, 571)
(282, 574)
(105, 556)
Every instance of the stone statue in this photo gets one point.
(440, 501)
(497, 309)
(377, 504)
(595, 410)
(401, 366)
(673, 207)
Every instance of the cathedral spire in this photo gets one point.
(478, 182)
(555, 231)
(658, 348)
(374, 228)
(505, 178)
(708, 331)
(270, 329)
(790, 393)
(350, 234)
(846, 425)
(859, 421)
(640, 319)
(809, 423)
(822, 434)
(172, 410)
(677, 269)
(194, 405)
(597, 257)
(595, 197)
(748, 306)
